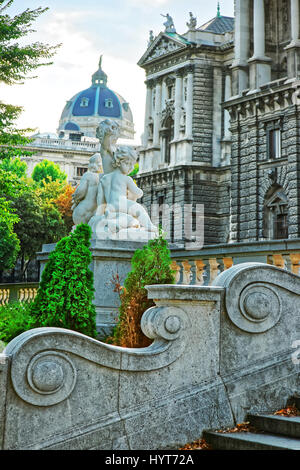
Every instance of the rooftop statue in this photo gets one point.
(192, 23)
(169, 24)
(151, 38)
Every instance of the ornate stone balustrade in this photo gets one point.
(203, 266)
(22, 292)
(44, 142)
(218, 353)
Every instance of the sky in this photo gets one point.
(116, 29)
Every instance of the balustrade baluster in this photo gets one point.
(295, 261)
(214, 271)
(186, 272)
(199, 272)
(176, 267)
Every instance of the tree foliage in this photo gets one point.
(150, 265)
(66, 291)
(39, 222)
(14, 165)
(47, 171)
(17, 61)
(64, 204)
(9, 242)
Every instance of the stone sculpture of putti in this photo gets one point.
(84, 199)
(118, 215)
(107, 202)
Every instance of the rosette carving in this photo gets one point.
(49, 378)
(163, 322)
(254, 305)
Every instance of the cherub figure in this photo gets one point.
(108, 133)
(84, 199)
(117, 195)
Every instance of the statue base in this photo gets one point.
(111, 261)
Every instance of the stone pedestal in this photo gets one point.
(110, 258)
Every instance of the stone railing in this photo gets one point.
(218, 352)
(22, 292)
(203, 266)
(65, 144)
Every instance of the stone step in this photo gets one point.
(296, 401)
(274, 424)
(250, 441)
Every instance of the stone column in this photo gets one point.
(147, 112)
(189, 103)
(260, 65)
(178, 104)
(295, 21)
(241, 47)
(227, 133)
(226, 140)
(157, 113)
(293, 49)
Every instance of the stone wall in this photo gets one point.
(182, 185)
(254, 174)
(203, 112)
(218, 353)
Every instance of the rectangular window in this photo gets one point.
(274, 137)
(80, 171)
(280, 227)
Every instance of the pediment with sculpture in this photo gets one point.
(162, 45)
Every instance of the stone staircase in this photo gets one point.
(272, 432)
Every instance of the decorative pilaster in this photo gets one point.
(241, 47)
(148, 112)
(189, 103)
(293, 49)
(260, 65)
(178, 104)
(157, 113)
(227, 134)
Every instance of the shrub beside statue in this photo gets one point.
(65, 294)
(150, 265)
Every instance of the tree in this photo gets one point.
(47, 171)
(66, 290)
(15, 166)
(150, 265)
(16, 62)
(39, 222)
(10, 245)
(64, 204)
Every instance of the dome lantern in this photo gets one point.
(99, 78)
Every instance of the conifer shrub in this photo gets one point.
(66, 290)
(150, 265)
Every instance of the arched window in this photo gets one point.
(276, 215)
(84, 102)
